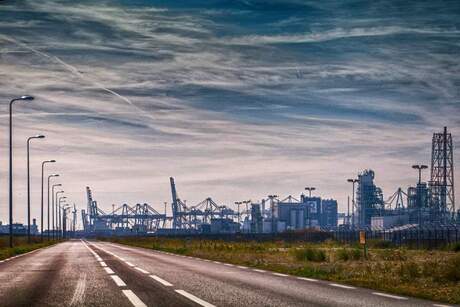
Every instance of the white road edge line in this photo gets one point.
(194, 298)
(136, 301)
(342, 286)
(161, 281)
(280, 274)
(118, 281)
(130, 264)
(390, 296)
(441, 305)
(103, 264)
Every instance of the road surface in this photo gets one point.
(93, 273)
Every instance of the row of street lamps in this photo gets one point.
(30, 98)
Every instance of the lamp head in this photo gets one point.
(26, 97)
(40, 136)
(52, 161)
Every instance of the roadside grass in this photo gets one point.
(427, 274)
(21, 246)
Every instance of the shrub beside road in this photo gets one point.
(20, 246)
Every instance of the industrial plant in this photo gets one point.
(426, 203)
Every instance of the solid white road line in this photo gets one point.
(342, 286)
(441, 305)
(390, 296)
(141, 270)
(161, 281)
(118, 281)
(279, 274)
(136, 301)
(307, 279)
(194, 298)
(130, 264)
(109, 271)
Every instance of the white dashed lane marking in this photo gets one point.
(342, 286)
(161, 281)
(307, 279)
(118, 281)
(109, 271)
(390, 296)
(133, 298)
(141, 270)
(279, 274)
(194, 298)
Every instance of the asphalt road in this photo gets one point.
(82, 273)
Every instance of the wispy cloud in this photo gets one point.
(235, 100)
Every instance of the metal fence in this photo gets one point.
(414, 237)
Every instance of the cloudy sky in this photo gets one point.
(235, 99)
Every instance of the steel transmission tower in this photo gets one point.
(442, 172)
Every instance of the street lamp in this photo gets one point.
(41, 219)
(55, 211)
(238, 203)
(419, 167)
(52, 212)
(24, 98)
(28, 182)
(309, 189)
(353, 181)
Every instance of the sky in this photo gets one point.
(234, 99)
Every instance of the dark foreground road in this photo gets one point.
(78, 273)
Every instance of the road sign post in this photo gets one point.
(362, 241)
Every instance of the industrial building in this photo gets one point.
(431, 202)
(424, 203)
(20, 229)
(292, 214)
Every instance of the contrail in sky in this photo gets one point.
(75, 72)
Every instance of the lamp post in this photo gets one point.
(353, 182)
(24, 98)
(310, 189)
(419, 201)
(419, 167)
(59, 202)
(238, 203)
(41, 216)
(52, 206)
(28, 182)
(56, 212)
